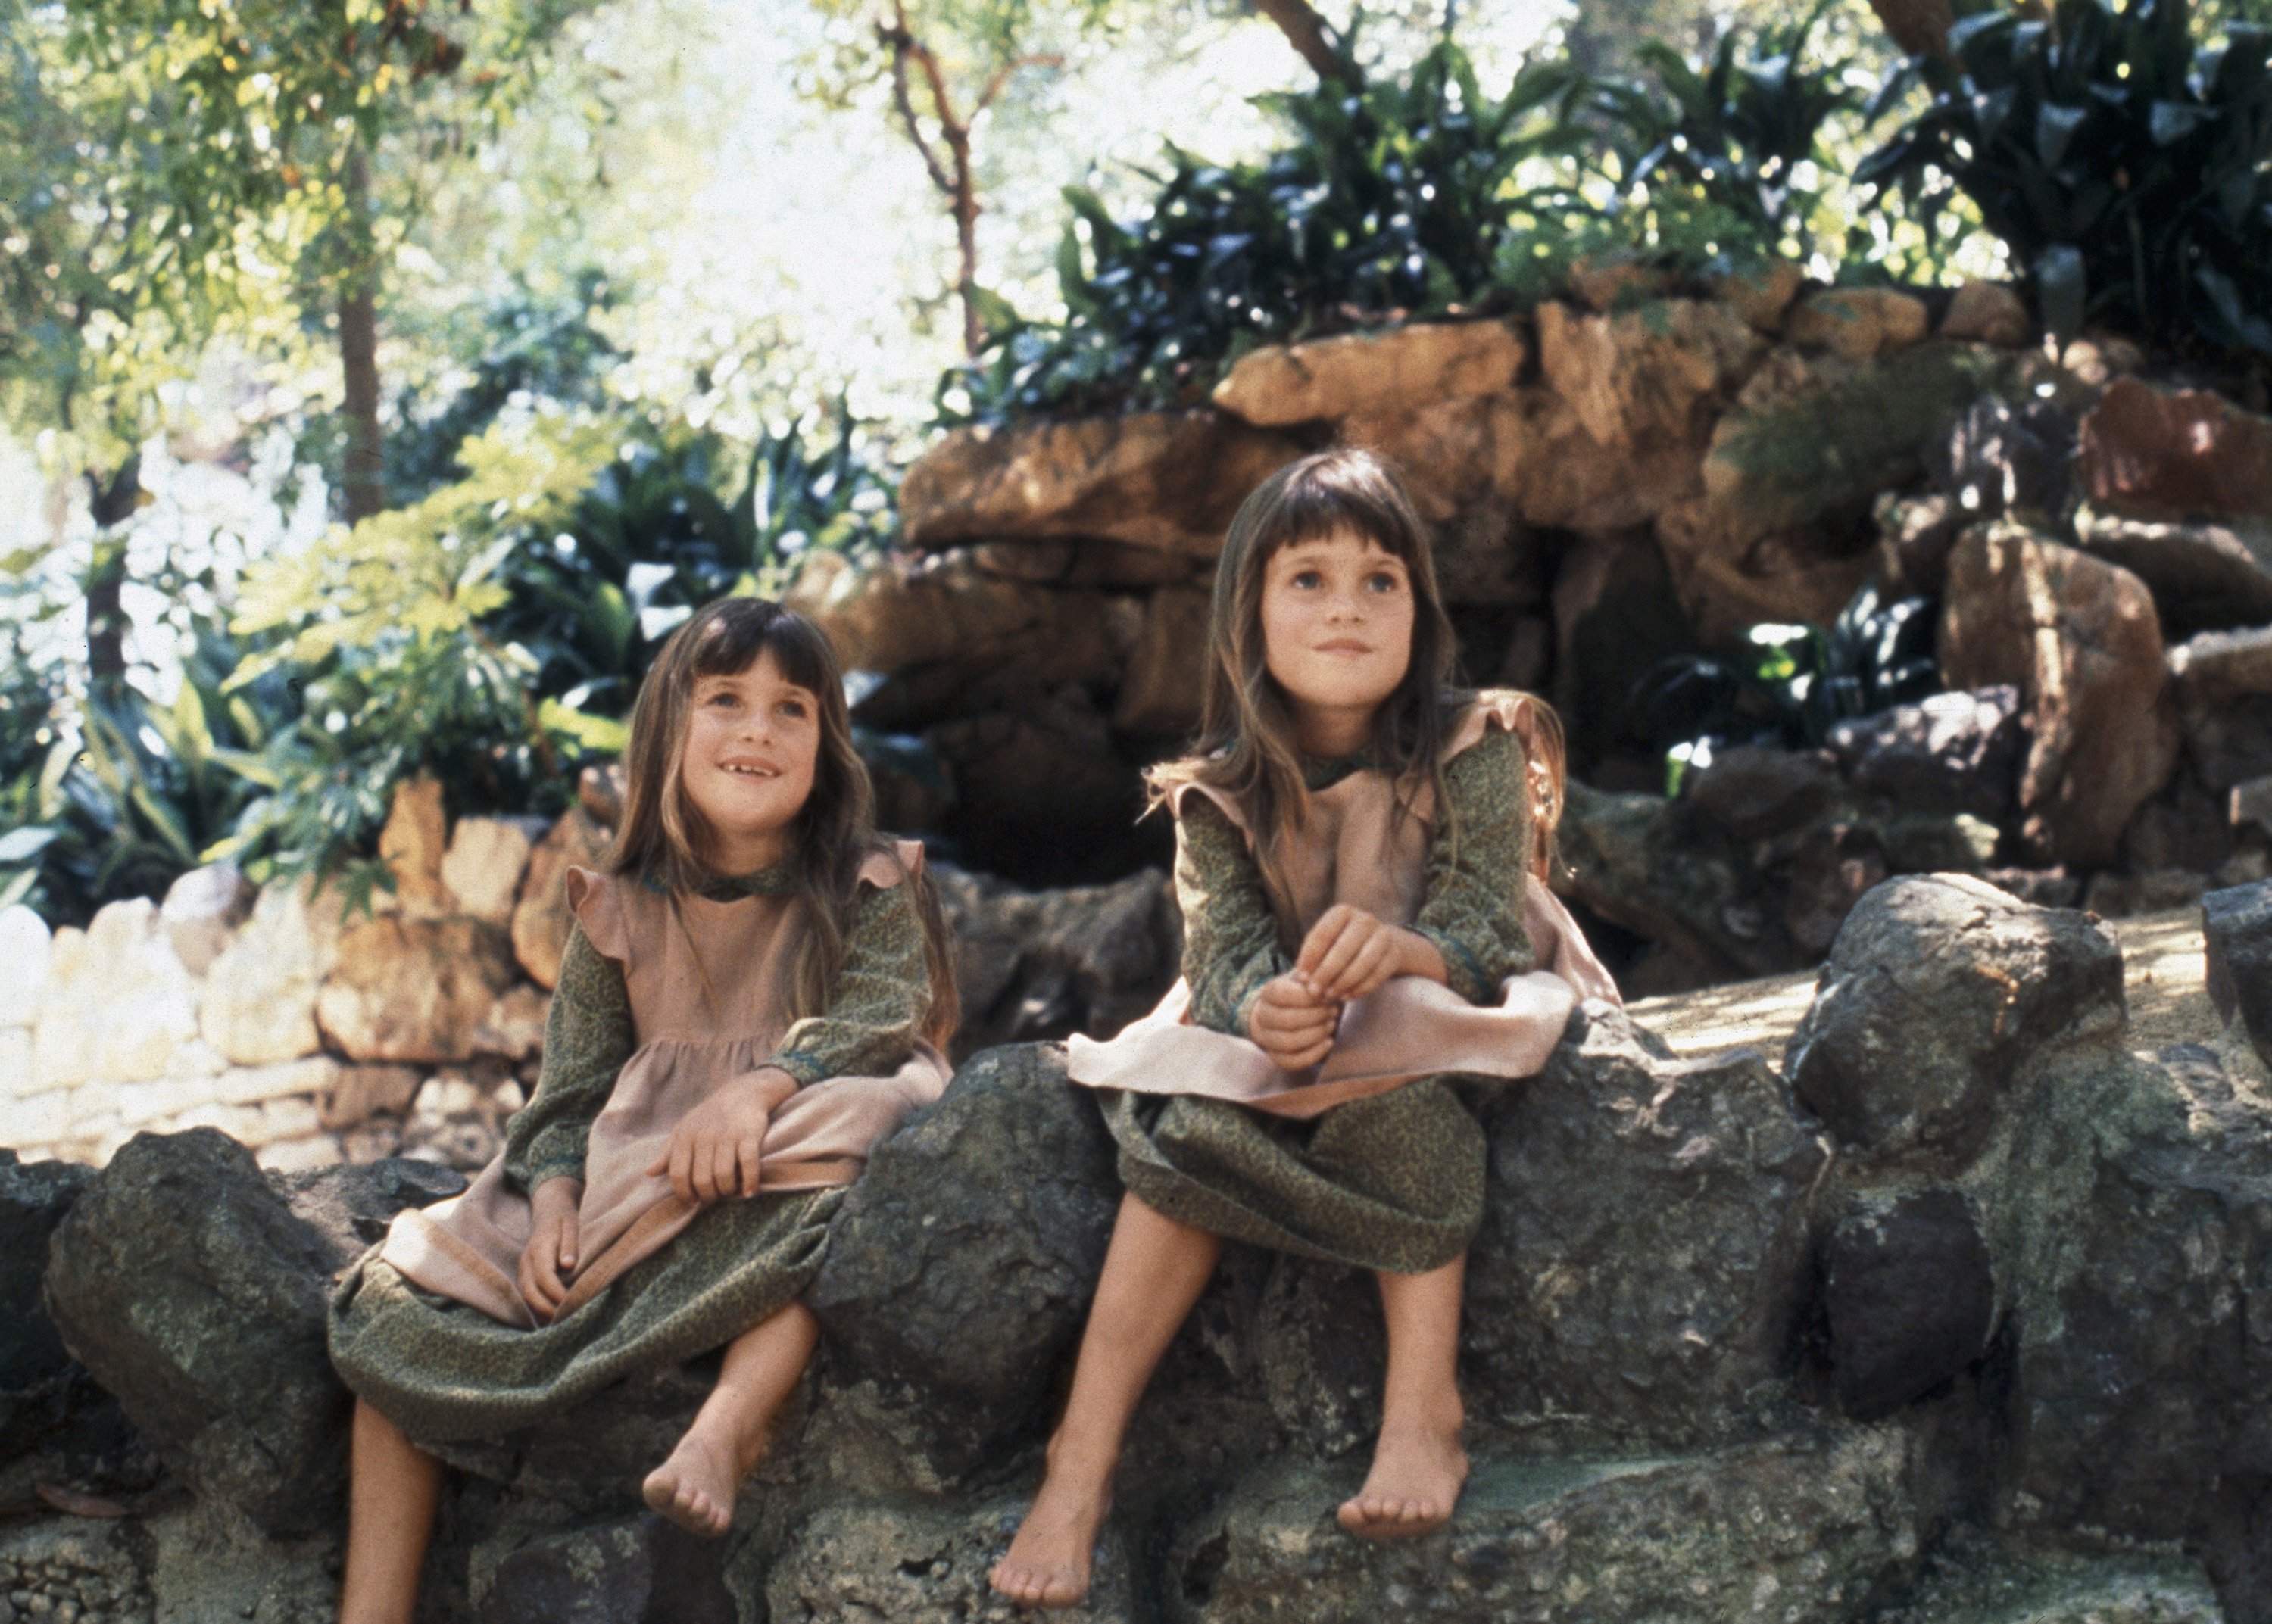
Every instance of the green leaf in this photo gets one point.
(2061, 289)
(22, 845)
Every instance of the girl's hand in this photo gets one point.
(1348, 953)
(713, 1152)
(1289, 1025)
(549, 1258)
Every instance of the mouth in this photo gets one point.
(1344, 646)
(747, 770)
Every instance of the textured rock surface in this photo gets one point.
(1910, 1295)
(2237, 937)
(2081, 640)
(632, 1570)
(33, 1199)
(849, 1564)
(1407, 366)
(2175, 454)
(1163, 480)
(258, 1003)
(202, 910)
(1934, 987)
(1803, 1528)
(1957, 752)
(1979, 1583)
(540, 917)
(414, 990)
(1038, 965)
(1644, 1248)
(959, 1270)
(1860, 323)
(2204, 577)
(1988, 313)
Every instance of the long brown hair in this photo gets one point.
(1245, 748)
(663, 834)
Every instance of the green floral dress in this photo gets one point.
(444, 1371)
(1392, 1182)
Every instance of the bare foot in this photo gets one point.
(1048, 1562)
(695, 1487)
(1414, 1484)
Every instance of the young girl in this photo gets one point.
(1359, 857)
(750, 998)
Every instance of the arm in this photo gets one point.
(1231, 936)
(1472, 911)
(881, 996)
(588, 1035)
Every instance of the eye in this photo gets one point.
(1307, 579)
(1384, 581)
(721, 697)
(795, 709)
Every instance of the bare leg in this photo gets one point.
(392, 1485)
(1418, 1466)
(695, 1487)
(1153, 1271)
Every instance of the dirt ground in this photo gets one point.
(2162, 962)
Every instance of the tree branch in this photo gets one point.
(1310, 34)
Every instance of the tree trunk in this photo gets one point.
(110, 503)
(1308, 33)
(1918, 28)
(362, 483)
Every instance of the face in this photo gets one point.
(752, 740)
(1337, 615)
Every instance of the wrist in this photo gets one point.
(768, 1087)
(1418, 956)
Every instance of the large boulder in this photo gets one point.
(414, 990)
(119, 1005)
(1657, 373)
(1988, 313)
(258, 1007)
(203, 909)
(1973, 1580)
(1950, 753)
(1803, 1527)
(1935, 988)
(626, 1570)
(1859, 324)
(1165, 685)
(2188, 453)
(186, 1282)
(1032, 965)
(2081, 640)
(481, 869)
(1908, 1295)
(1644, 1250)
(2204, 577)
(34, 1198)
(1404, 366)
(959, 1268)
(1780, 530)
(1168, 480)
(540, 917)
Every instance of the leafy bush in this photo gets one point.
(1418, 197)
(2124, 165)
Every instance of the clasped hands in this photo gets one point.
(1348, 954)
(712, 1154)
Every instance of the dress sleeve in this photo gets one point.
(588, 1035)
(877, 1008)
(1472, 910)
(1231, 936)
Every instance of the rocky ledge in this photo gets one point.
(1965, 1315)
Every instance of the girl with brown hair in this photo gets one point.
(1361, 853)
(754, 993)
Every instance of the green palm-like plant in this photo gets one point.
(2124, 163)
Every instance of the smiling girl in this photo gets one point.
(1360, 853)
(752, 996)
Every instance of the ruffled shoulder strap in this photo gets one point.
(885, 869)
(1222, 799)
(1496, 710)
(596, 899)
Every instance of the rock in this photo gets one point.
(2218, 667)
(1168, 480)
(89, 1568)
(1644, 1246)
(2204, 577)
(1417, 364)
(1780, 531)
(412, 844)
(1973, 1581)
(540, 919)
(414, 990)
(1948, 753)
(189, 1288)
(633, 1570)
(1042, 795)
(2237, 937)
(2143, 1374)
(119, 1002)
(1988, 313)
(25, 944)
(2041, 888)
(2121, 896)
(955, 639)
(961, 1266)
(1754, 792)
(1166, 683)
(34, 1198)
(1833, 867)
(1760, 294)
(207, 1561)
(1060, 562)
(923, 1564)
(2001, 457)
(202, 910)
(1032, 965)
(600, 790)
(1914, 535)
(1655, 867)
(1910, 1295)
(1616, 617)
(481, 869)
(258, 1003)
(1858, 323)
(1606, 281)
(1934, 988)
(357, 1093)
(2081, 640)
(1810, 1525)
(1657, 374)
(2177, 454)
